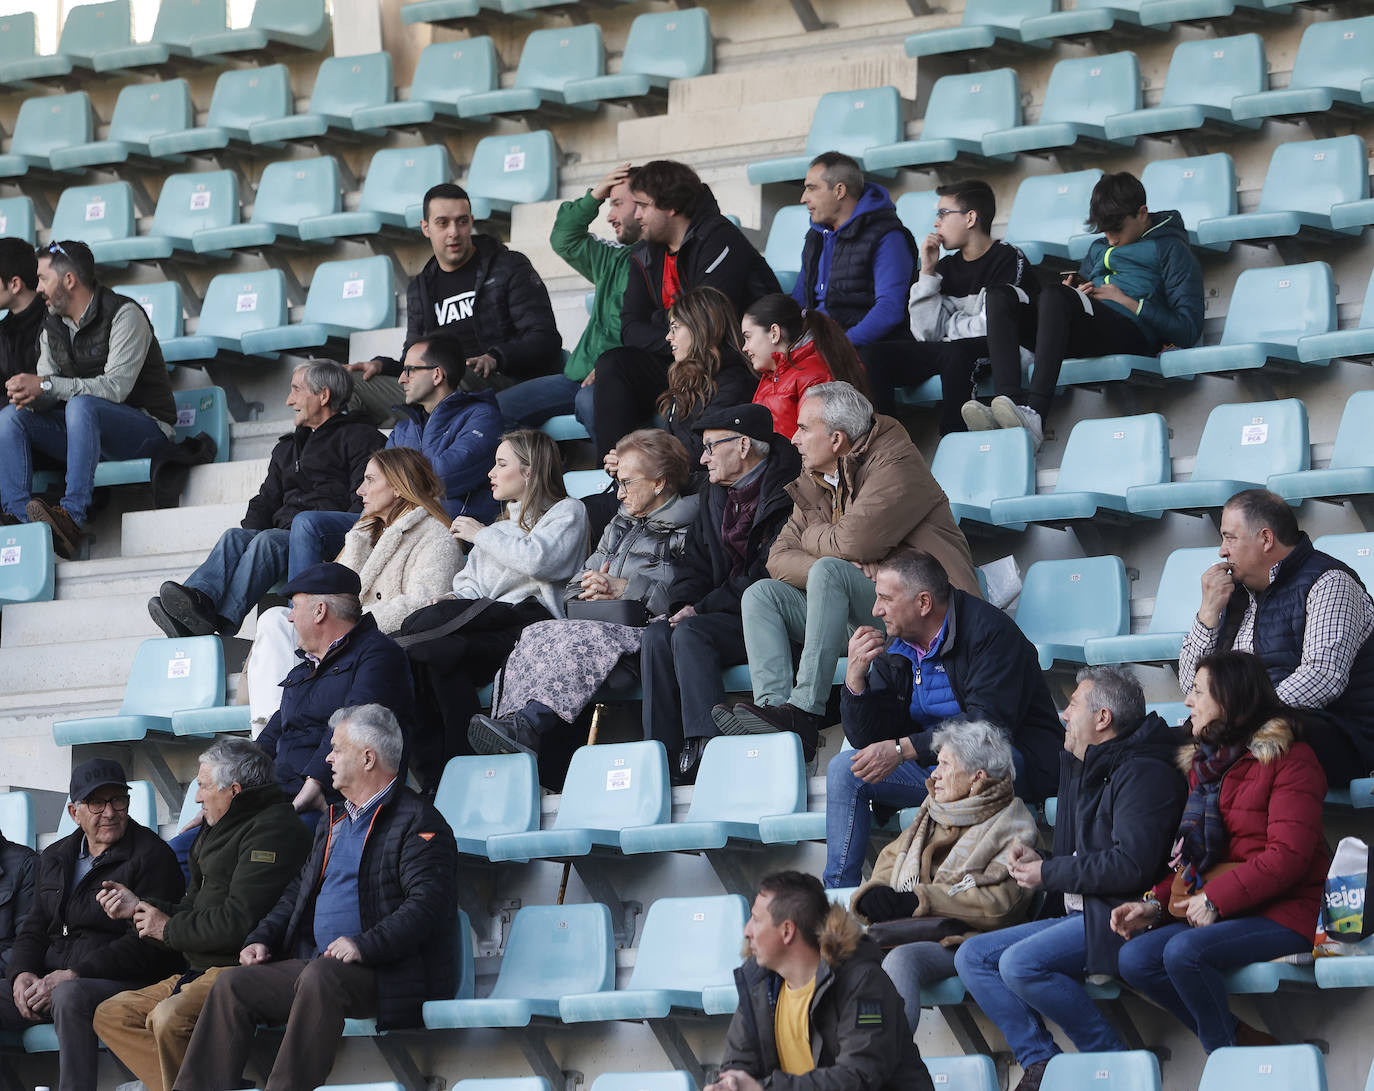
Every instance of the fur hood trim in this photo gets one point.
(840, 935)
(1271, 742)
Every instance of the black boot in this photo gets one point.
(507, 735)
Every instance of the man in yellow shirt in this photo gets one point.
(816, 1010)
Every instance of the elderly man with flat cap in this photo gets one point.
(69, 955)
(742, 509)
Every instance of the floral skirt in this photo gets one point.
(562, 664)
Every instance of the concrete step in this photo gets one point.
(78, 620)
(36, 670)
(107, 576)
(234, 482)
(177, 530)
(255, 439)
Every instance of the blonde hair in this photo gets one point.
(415, 483)
(544, 488)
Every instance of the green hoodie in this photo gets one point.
(606, 265)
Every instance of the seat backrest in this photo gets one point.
(1313, 175)
(236, 303)
(145, 110)
(345, 84)
(1180, 589)
(1051, 207)
(357, 294)
(26, 563)
(16, 818)
(483, 795)
(1111, 454)
(1251, 441)
(142, 808)
(690, 943)
(1089, 89)
(48, 122)
(178, 21)
(300, 17)
(1264, 1068)
(615, 786)
(1004, 13)
(1354, 439)
(557, 55)
(743, 778)
(93, 27)
(917, 212)
(977, 468)
(161, 302)
(854, 121)
(171, 675)
(967, 106)
(504, 1083)
(18, 36)
(204, 409)
(398, 178)
(95, 213)
(1066, 602)
(973, 1072)
(519, 167)
(446, 71)
(245, 95)
(643, 1081)
(1127, 1070)
(189, 807)
(1281, 303)
(1356, 550)
(675, 44)
(293, 189)
(1335, 54)
(787, 237)
(1198, 188)
(1213, 71)
(196, 202)
(554, 950)
(17, 221)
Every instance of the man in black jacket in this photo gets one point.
(685, 243)
(1120, 800)
(367, 930)
(318, 467)
(20, 327)
(947, 656)
(17, 863)
(69, 955)
(741, 511)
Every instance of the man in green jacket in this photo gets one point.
(251, 845)
(606, 265)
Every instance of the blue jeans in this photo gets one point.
(1019, 975)
(531, 403)
(78, 434)
(243, 566)
(1180, 969)
(317, 536)
(849, 819)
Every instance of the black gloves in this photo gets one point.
(882, 903)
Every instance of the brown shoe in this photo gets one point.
(66, 535)
(1246, 1035)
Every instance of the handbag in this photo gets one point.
(904, 930)
(629, 612)
(1179, 894)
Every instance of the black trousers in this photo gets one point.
(680, 672)
(628, 383)
(955, 363)
(1336, 751)
(888, 364)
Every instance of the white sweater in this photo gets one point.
(509, 565)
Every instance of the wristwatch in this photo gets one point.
(45, 385)
(1207, 902)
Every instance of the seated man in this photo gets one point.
(101, 391)
(948, 658)
(250, 846)
(69, 956)
(740, 513)
(816, 1011)
(864, 491)
(17, 863)
(25, 309)
(317, 467)
(365, 931)
(1305, 615)
(1120, 799)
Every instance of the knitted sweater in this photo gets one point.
(510, 565)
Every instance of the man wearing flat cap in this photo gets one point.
(69, 955)
(742, 510)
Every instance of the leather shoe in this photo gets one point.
(164, 621)
(507, 735)
(764, 719)
(1031, 1076)
(689, 760)
(8, 520)
(189, 608)
(1246, 1035)
(66, 535)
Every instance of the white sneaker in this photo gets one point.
(977, 416)
(1010, 415)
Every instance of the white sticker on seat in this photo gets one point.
(1253, 434)
(10, 554)
(95, 210)
(353, 289)
(514, 161)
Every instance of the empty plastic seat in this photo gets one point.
(44, 125)
(1348, 972)
(1268, 977)
(161, 302)
(17, 220)
(1088, 17)
(142, 111)
(1333, 60)
(342, 85)
(188, 204)
(985, 23)
(1271, 310)
(844, 121)
(178, 21)
(1264, 1068)
(1172, 713)
(1356, 550)
(1343, 344)
(1305, 179)
(687, 945)
(645, 1081)
(1199, 188)
(1082, 93)
(393, 192)
(566, 427)
(1163, 12)
(1241, 447)
(510, 170)
(607, 789)
(445, 73)
(142, 809)
(290, 191)
(484, 795)
(86, 31)
(786, 239)
(1128, 1070)
(1176, 604)
(301, 24)
(95, 215)
(235, 304)
(962, 110)
(1048, 211)
(344, 296)
(1204, 76)
(16, 818)
(18, 38)
(977, 468)
(662, 46)
(241, 98)
(973, 1072)
(1064, 603)
(1351, 471)
(438, 11)
(26, 565)
(583, 483)
(917, 212)
(551, 58)
(552, 951)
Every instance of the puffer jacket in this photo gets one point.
(1271, 803)
(646, 550)
(795, 370)
(412, 564)
(316, 469)
(460, 439)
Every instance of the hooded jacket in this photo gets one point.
(314, 469)
(795, 370)
(460, 439)
(412, 563)
(17, 863)
(860, 1040)
(645, 549)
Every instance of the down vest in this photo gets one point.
(412, 563)
(646, 550)
(314, 470)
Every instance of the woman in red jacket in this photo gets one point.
(1249, 862)
(792, 349)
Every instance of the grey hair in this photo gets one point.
(327, 375)
(843, 408)
(238, 761)
(342, 606)
(977, 745)
(760, 447)
(917, 571)
(375, 727)
(1118, 691)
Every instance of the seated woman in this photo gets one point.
(792, 350)
(951, 862)
(707, 369)
(1250, 862)
(558, 666)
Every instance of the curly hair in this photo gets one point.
(709, 317)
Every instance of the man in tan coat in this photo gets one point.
(864, 491)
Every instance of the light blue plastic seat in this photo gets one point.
(552, 951)
(1082, 93)
(1347, 972)
(583, 483)
(1199, 188)
(1204, 76)
(18, 39)
(1048, 211)
(17, 220)
(1176, 604)
(344, 296)
(188, 204)
(26, 564)
(687, 945)
(1356, 550)
(973, 1072)
(1333, 60)
(1241, 447)
(986, 23)
(235, 304)
(484, 795)
(1172, 713)
(844, 121)
(551, 58)
(1351, 471)
(342, 85)
(1064, 603)
(96, 215)
(512, 169)
(962, 110)
(16, 818)
(178, 21)
(290, 191)
(438, 11)
(742, 779)
(45, 124)
(161, 302)
(1305, 179)
(1128, 1070)
(393, 192)
(1265, 1068)
(1267, 977)
(142, 809)
(644, 1081)
(445, 73)
(1088, 17)
(608, 788)
(300, 24)
(142, 111)
(86, 31)
(566, 427)
(242, 97)
(1271, 310)
(786, 239)
(977, 468)
(1163, 12)
(1343, 344)
(662, 46)
(917, 212)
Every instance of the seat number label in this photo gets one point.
(200, 200)
(1253, 434)
(180, 667)
(10, 555)
(247, 301)
(617, 780)
(514, 161)
(186, 417)
(353, 289)
(95, 210)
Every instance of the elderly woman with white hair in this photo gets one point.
(945, 876)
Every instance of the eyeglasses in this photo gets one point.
(408, 368)
(941, 213)
(623, 484)
(711, 445)
(99, 806)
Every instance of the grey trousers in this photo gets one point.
(912, 966)
(73, 1006)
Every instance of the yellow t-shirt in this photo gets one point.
(792, 1028)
